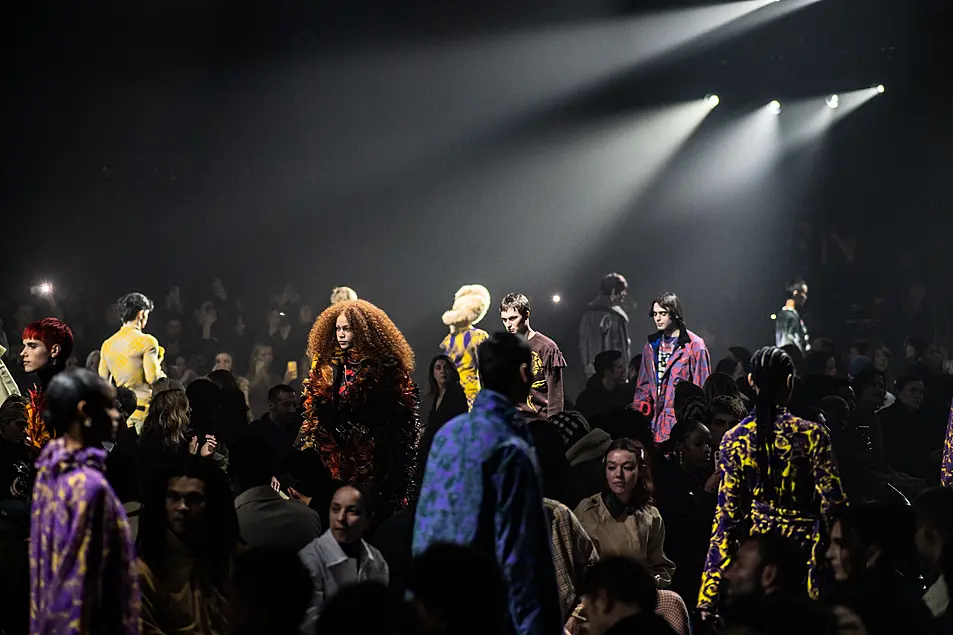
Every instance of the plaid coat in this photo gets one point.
(689, 362)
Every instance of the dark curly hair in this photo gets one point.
(130, 305)
(376, 337)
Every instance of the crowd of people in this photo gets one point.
(797, 488)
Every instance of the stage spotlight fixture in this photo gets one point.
(775, 107)
(557, 299)
(712, 101)
(880, 88)
(833, 101)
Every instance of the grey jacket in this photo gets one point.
(266, 519)
(331, 571)
(603, 327)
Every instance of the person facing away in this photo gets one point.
(606, 389)
(546, 390)
(264, 517)
(340, 557)
(604, 325)
(131, 358)
(671, 355)
(777, 470)
(789, 326)
(482, 488)
(188, 537)
(270, 592)
(620, 598)
(82, 560)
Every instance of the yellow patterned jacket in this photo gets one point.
(806, 491)
(132, 359)
(461, 348)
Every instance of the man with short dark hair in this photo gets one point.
(789, 325)
(264, 517)
(482, 488)
(280, 425)
(606, 389)
(132, 358)
(620, 599)
(766, 564)
(605, 324)
(546, 391)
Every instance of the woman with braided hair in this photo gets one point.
(361, 405)
(778, 475)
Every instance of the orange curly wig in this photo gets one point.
(376, 336)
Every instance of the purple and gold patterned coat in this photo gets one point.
(689, 362)
(946, 470)
(83, 576)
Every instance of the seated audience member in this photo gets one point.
(720, 385)
(165, 434)
(906, 440)
(573, 553)
(188, 536)
(621, 520)
(16, 455)
(585, 461)
(620, 598)
(394, 538)
(279, 427)
(165, 383)
(340, 557)
(934, 542)
(270, 592)
(475, 604)
(868, 544)
(606, 389)
(724, 413)
(264, 517)
(686, 496)
(367, 608)
(731, 367)
(767, 574)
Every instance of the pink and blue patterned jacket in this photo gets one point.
(690, 362)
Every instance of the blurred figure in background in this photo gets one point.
(604, 325)
(470, 304)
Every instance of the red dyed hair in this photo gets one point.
(51, 331)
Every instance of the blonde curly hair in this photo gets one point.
(470, 304)
(376, 337)
(342, 294)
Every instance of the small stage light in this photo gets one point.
(775, 107)
(556, 299)
(712, 101)
(774, 316)
(880, 88)
(46, 288)
(833, 101)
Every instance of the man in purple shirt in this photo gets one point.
(482, 488)
(82, 562)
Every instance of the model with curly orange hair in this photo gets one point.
(361, 405)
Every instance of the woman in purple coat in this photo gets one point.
(82, 563)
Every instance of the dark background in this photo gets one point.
(406, 148)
